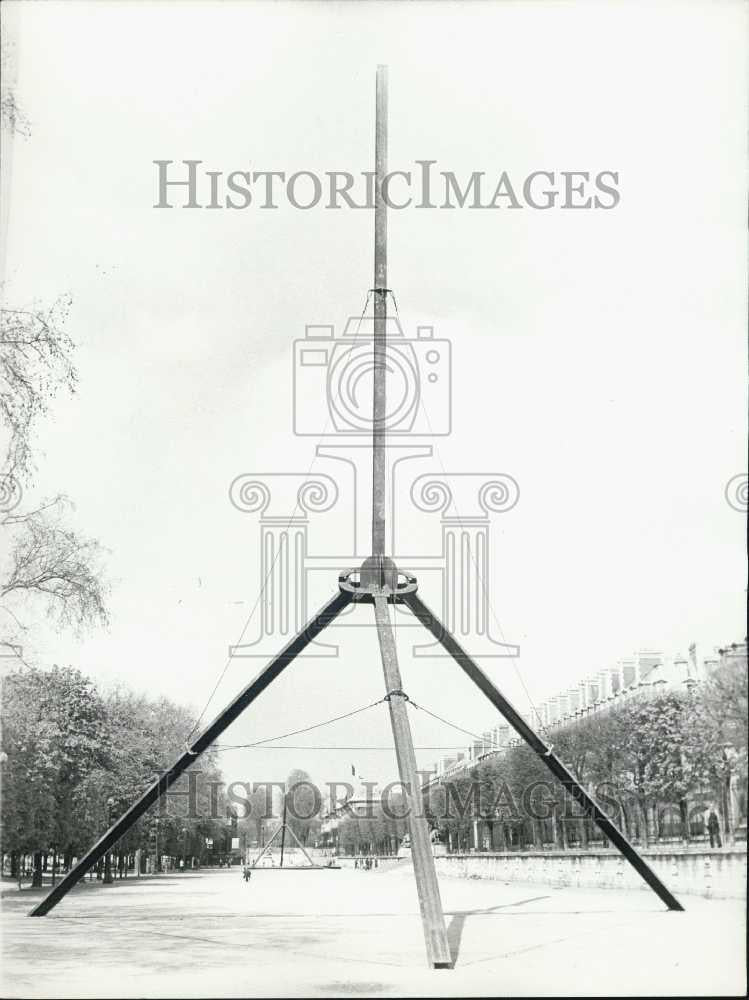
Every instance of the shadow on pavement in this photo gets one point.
(456, 925)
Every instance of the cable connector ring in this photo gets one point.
(397, 691)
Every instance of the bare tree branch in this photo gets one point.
(46, 562)
(60, 567)
(35, 364)
(11, 116)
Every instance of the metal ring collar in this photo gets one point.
(397, 691)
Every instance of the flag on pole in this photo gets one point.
(353, 771)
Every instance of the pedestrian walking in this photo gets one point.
(713, 828)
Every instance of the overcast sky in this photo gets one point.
(598, 356)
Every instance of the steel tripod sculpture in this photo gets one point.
(378, 582)
(285, 830)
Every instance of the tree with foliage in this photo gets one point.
(652, 755)
(304, 805)
(716, 735)
(378, 829)
(75, 759)
(255, 814)
(54, 726)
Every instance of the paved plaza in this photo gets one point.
(358, 933)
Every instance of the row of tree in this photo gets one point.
(656, 761)
(381, 831)
(75, 758)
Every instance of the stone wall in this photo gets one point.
(711, 873)
(347, 861)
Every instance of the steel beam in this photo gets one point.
(541, 748)
(301, 847)
(209, 735)
(267, 847)
(432, 917)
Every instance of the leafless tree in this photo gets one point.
(46, 563)
(12, 117)
(55, 565)
(35, 364)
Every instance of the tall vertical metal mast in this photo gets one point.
(379, 403)
(380, 577)
(378, 584)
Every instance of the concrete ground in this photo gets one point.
(344, 932)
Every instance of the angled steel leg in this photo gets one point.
(545, 752)
(435, 934)
(302, 848)
(201, 743)
(267, 847)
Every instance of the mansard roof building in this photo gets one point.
(646, 671)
